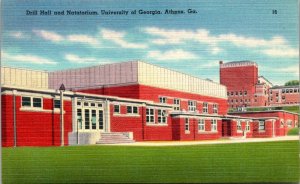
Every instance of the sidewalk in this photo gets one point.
(220, 141)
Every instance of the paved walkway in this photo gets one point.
(219, 141)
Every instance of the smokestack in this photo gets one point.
(220, 62)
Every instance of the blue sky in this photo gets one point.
(190, 43)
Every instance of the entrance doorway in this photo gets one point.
(90, 116)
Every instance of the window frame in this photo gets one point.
(162, 115)
(205, 107)
(132, 107)
(238, 125)
(261, 124)
(119, 109)
(192, 105)
(31, 102)
(162, 99)
(187, 125)
(54, 105)
(215, 108)
(201, 125)
(176, 102)
(214, 125)
(149, 115)
(247, 126)
(30, 105)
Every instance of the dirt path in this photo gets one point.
(220, 141)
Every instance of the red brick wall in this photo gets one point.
(181, 134)
(153, 94)
(34, 128)
(137, 124)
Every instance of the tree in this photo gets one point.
(292, 83)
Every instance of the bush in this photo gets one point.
(294, 131)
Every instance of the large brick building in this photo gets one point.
(119, 103)
(245, 88)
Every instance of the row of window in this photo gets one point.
(192, 105)
(295, 90)
(236, 93)
(89, 104)
(37, 102)
(129, 109)
(237, 100)
(201, 125)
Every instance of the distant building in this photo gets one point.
(246, 89)
(284, 95)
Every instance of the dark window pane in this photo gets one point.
(135, 110)
(56, 103)
(37, 102)
(129, 109)
(26, 101)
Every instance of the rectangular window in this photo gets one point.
(57, 104)
(78, 103)
(93, 105)
(238, 125)
(135, 110)
(162, 116)
(214, 125)
(247, 126)
(26, 101)
(205, 107)
(149, 115)
(117, 109)
(176, 104)
(132, 110)
(289, 123)
(261, 125)
(215, 108)
(187, 124)
(245, 92)
(79, 118)
(201, 125)
(37, 102)
(162, 99)
(192, 105)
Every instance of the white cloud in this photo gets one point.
(281, 52)
(84, 60)
(81, 38)
(27, 58)
(268, 47)
(76, 38)
(171, 55)
(49, 35)
(118, 38)
(18, 35)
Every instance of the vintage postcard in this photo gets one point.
(163, 91)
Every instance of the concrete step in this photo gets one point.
(114, 138)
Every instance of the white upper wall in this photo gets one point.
(96, 76)
(112, 74)
(164, 78)
(24, 78)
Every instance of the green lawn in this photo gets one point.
(248, 162)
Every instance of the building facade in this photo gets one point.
(286, 95)
(246, 89)
(124, 102)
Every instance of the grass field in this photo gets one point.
(248, 162)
